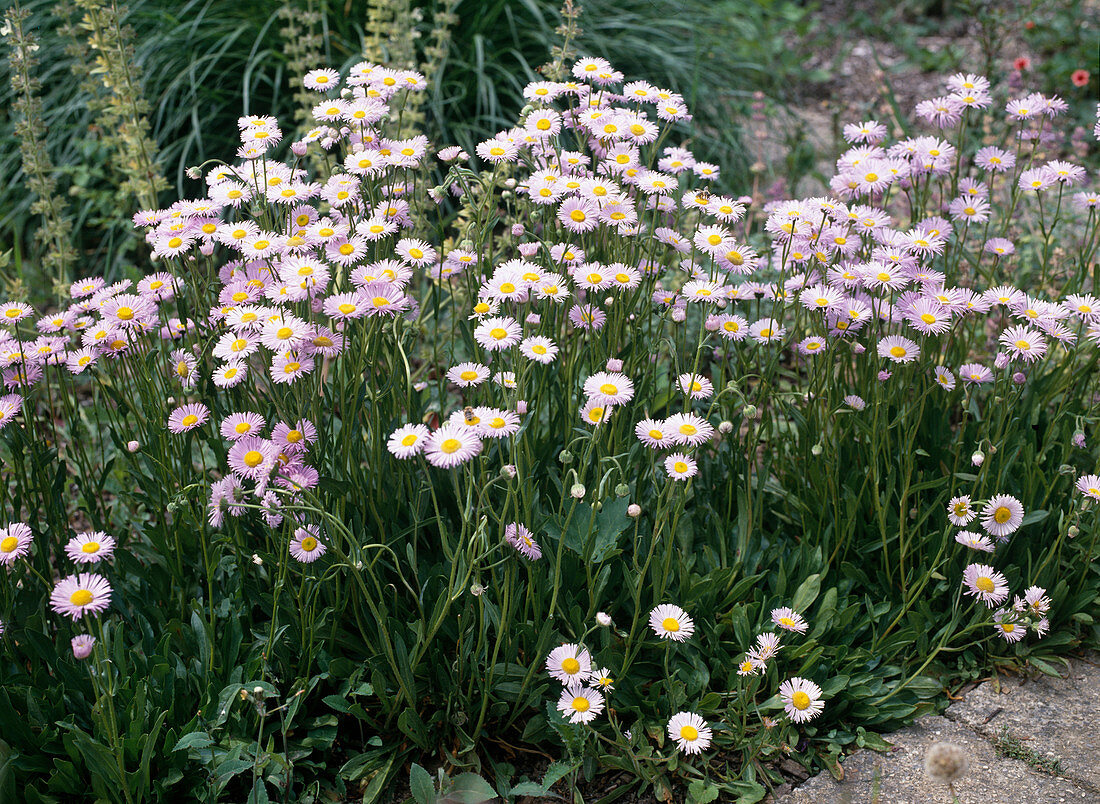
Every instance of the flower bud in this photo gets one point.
(133, 446)
(1072, 531)
(634, 510)
(622, 490)
(603, 618)
(1000, 362)
(749, 411)
(978, 458)
(816, 449)
(299, 148)
(82, 646)
(1019, 378)
(725, 428)
(508, 470)
(521, 408)
(518, 230)
(614, 365)
(476, 589)
(565, 456)
(576, 491)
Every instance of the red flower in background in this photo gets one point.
(1080, 78)
(1021, 63)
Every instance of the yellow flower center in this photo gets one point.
(538, 349)
(507, 287)
(928, 318)
(125, 313)
(765, 333)
(416, 253)
(450, 445)
(9, 544)
(680, 467)
(291, 367)
(571, 666)
(253, 458)
(800, 700)
(609, 389)
(984, 584)
(347, 308)
(346, 249)
(243, 427)
(1008, 628)
(543, 124)
(498, 333)
(578, 215)
(689, 733)
(1023, 345)
(897, 351)
(90, 547)
(671, 624)
(309, 544)
(81, 597)
(1002, 515)
(581, 704)
(787, 621)
(189, 420)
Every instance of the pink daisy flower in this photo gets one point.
(521, 538)
(306, 546)
(77, 595)
(90, 548)
(236, 426)
(188, 417)
(15, 542)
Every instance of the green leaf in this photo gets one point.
(807, 593)
(420, 785)
(470, 788)
(258, 794)
(196, 739)
(1031, 517)
(699, 792)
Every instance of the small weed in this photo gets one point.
(1006, 745)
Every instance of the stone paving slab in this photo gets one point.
(1051, 717)
(897, 776)
(1057, 717)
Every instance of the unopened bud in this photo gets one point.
(565, 456)
(634, 510)
(603, 618)
(508, 470)
(725, 427)
(576, 491)
(476, 589)
(978, 458)
(749, 411)
(816, 449)
(133, 446)
(622, 490)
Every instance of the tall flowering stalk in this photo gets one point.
(124, 114)
(55, 233)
